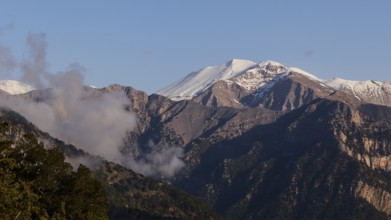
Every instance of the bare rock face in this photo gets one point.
(378, 197)
(365, 138)
(291, 93)
(223, 93)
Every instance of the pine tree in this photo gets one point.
(88, 199)
(37, 183)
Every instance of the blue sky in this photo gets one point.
(150, 44)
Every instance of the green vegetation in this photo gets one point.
(36, 183)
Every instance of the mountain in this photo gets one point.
(328, 158)
(268, 84)
(14, 87)
(255, 141)
(272, 85)
(249, 86)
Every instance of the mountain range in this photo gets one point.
(253, 141)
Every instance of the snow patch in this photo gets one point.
(14, 87)
(302, 72)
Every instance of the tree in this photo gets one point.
(87, 197)
(37, 183)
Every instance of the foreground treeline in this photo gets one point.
(36, 183)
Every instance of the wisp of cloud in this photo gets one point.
(93, 121)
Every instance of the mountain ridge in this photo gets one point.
(257, 82)
(254, 79)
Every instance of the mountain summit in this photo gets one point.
(243, 83)
(245, 73)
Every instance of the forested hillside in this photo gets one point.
(37, 183)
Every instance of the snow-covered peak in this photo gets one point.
(258, 75)
(363, 90)
(14, 87)
(247, 74)
(196, 82)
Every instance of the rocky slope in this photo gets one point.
(260, 163)
(298, 167)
